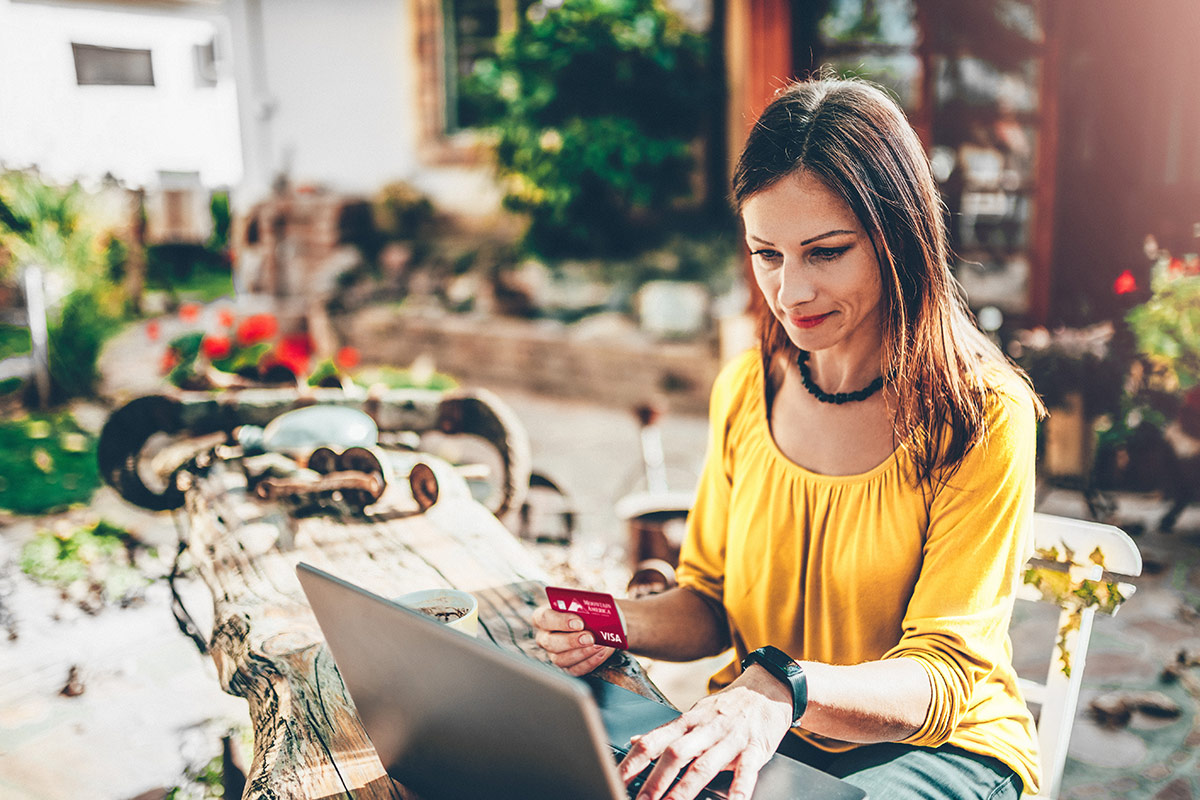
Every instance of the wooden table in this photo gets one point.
(308, 740)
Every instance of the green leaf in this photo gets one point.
(187, 345)
(250, 356)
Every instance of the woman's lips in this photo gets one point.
(810, 322)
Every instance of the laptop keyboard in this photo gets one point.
(711, 792)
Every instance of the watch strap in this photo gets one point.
(784, 669)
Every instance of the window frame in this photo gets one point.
(79, 49)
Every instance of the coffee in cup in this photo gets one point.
(454, 608)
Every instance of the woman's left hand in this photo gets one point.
(737, 728)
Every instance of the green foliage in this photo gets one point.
(1167, 326)
(1059, 580)
(601, 99)
(14, 340)
(116, 256)
(96, 560)
(222, 219)
(77, 332)
(48, 226)
(206, 782)
(401, 212)
(46, 463)
(186, 269)
(397, 378)
(238, 353)
(325, 373)
(186, 349)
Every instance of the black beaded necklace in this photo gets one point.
(840, 397)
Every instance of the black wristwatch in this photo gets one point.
(782, 667)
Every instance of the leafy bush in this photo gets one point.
(51, 227)
(173, 265)
(14, 340)
(1167, 326)
(77, 333)
(48, 226)
(601, 99)
(222, 218)
(46, 463)
(401, 212)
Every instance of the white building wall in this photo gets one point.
(339, 79)
(133, 132)
(328, 98)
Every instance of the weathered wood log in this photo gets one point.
(308, 740)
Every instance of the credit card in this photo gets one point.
(597, 609)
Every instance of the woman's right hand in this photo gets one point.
(570, 647)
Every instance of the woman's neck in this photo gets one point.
(846, 367)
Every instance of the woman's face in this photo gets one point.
(814, 265)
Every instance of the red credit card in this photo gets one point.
(597, 609)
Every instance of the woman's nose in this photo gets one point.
(795, 285)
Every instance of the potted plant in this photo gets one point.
(1080, 374)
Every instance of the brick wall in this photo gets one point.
(546, 359)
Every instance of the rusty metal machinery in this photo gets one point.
(132, 458)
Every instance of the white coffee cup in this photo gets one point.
(454, 607)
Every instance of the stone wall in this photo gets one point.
(622, 369)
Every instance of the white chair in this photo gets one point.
(1059, 695)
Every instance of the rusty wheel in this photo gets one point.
(323, 460)
(424, 485)
(369, 462)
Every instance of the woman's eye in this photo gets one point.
(828, 253)
(767, 254)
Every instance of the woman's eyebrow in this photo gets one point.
(823, 236)
(817, 238)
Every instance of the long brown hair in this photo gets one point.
(853, 137)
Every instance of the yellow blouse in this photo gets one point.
(853, 568)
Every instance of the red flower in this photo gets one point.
(216, 347)
(153, 330)
(169, 359)
(257, 328)
(1125, 283)
(189, 312)
(347, 358)
(294, 352)
(225, 318)
(1175, 267)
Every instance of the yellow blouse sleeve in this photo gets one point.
(702, 556)
(977, 542)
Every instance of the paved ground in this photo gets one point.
(151, 709)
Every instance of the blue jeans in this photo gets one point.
(892, 771)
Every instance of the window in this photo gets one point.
(969, 76)
(473, 29)
(112, 66)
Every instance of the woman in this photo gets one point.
(866, 500)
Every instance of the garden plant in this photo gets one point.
(601, 101)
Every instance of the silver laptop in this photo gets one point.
(453, 716)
